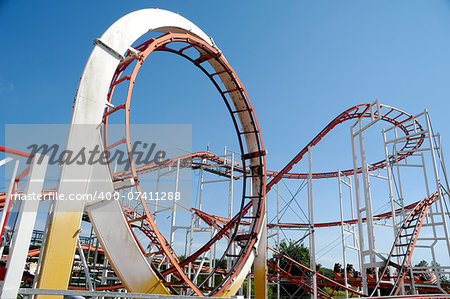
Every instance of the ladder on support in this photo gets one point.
(405, 242)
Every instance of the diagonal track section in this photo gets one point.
(405, 242)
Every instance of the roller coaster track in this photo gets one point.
(416, 216)
(284, 266)
(405, 241)
(113, 53)
(413, 221)
(303, 280)
(145, 227)
(218, 221)
(404, 121)
(244, 120)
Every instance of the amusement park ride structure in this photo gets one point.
(139, 258)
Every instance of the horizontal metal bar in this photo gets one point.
(195, 228)
(414, 118)
(163, 209)
(292, 228)
(383, 224)
(29, 291)
(423, 246)
(410, 165)
(352, 247)
(432, 224)
(378, 176)
(438, 214)
(374, 265)
(366, 127)
(411, 154)
(418, 150)
(431, 267)
(214, 181)
(404, 137)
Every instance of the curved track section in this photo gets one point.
(89, 106)
(405, 122)
(107, 61)
(218, 221)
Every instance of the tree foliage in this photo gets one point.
(298, 252)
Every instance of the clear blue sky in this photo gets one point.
(302, 63)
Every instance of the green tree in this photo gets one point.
(422, 263)
(298, 252)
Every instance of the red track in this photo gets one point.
(405, 242)
(403, 120)
(214, 220)
(247, 130)
(304, 280)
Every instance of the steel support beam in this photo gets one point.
(24, 229)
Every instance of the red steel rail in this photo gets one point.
(15, 152)
(405, 242)
(215, 220)
(404, 121)
(248, 132)
(303, 280)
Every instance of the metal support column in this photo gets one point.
(278, 240)
(6, 207)
(312, 248)
(85, 265)
(344, 259)
(438, 182)
(174, 206)
(359, 210)
(24, 229)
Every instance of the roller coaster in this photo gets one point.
(128, 249)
